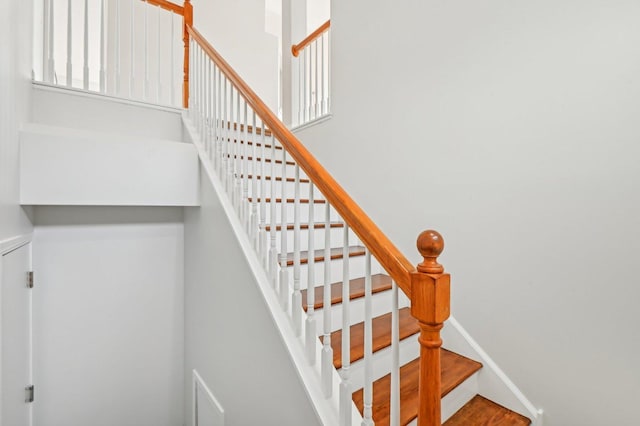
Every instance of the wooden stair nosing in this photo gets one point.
(381, 338)
(266, 160)
(379, 282)
(241, 141)
(481, 411)
(305, 226)
(318, 255)
(287, 200)
(455, 369)
(278, 178)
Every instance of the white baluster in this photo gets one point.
(85, 79)
(322, 62)
(327, 351)
(146, 54)
(273, 253)
(245, 171)
(316, 105)
(296, 297)
(192, 81)
(284, 272)
(158, 74)
(237, 189)
(103, 72)
(245, 189)
(172, 81)
(395, 358)
(117, 48)
(301, 74)
(69, 44)
(218, 126)
(207, 96)
(132, 56)
(254, 186)
(367, 419)
(305, 58)
(345, 384)
(51, 68)
(263, 202)
(212, 111)
(329, 71)
(225, 130)
(310, 324)
(231, 145)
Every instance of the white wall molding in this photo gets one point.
(200, 387)
(48, 87)
(10, 244)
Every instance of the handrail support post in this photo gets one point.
(430, 305)
(187, 22)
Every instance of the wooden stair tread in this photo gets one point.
(258, 144)
(250, 129)
(305, 226)
(455, 369)
(481, 411)
(266, 160)
(318, 255)
(408, 326)
(288, 200)
(278, 178)
(379, 282)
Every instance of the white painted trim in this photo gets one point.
(535, 414)
(10, 244)
(198, 381)
(39, 85)
(324, 407)
(7, 246)
(313, 122)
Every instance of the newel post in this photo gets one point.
(187, 22)
(430, 291)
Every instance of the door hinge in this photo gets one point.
(29, 393)
(30, 279)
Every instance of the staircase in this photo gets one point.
(366, 319)
(456, 369)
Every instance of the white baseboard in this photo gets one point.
(493, 383)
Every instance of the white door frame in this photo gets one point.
(7, 246)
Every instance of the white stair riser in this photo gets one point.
(289, 189)
(319, 213)
(380, 305)
(260, 168)
(409, 350)
(356, 269)
(318, 241)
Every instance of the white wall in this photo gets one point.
(237, 30)
(230, 337)
(512, 128)
(108, 316)
(15, 87)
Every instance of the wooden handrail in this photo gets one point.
(167, 5)
(296, 48)
(393, 261)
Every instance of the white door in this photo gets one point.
(15, 317)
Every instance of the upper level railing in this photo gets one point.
(122, 48)
(312, 79)
(257, 159)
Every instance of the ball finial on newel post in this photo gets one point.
(430, 245)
